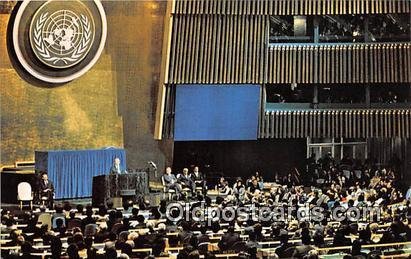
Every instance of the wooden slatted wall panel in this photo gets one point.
(291, 7)
(356, 63)
(337, 123)
(218, 49)
(169, 112)
(383, 150)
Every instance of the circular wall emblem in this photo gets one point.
(58, 41)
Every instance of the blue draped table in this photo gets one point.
(72, 171)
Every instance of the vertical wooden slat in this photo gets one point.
(310, 123)
(183, 50)
(308, 64)
(284, 125)
(190, 55)
(326, 76)
(370, 123)
(298, 125)
(354, 124)
(378, 71)
(355, 64)
(320, 64)
(366, 66)
(346, 53)
(381, 123)
(224, 50)
(408, 56)
(315, 72)
(363, 124)
(349, 64)
(231, 43)
(255, 47)
(241, 50)
(277, 122)
(277, 64)
(280, 124)
(326, 122)
(286, 65)
(282, 67)
(332, 64)
(248, 49)
(398, 123)
(388, 66)
(399, 59)
(303, 63)
(306, 124)
(172, 52)
(408, 124)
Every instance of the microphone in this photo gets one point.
(152, 164)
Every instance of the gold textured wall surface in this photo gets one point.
(111, 105)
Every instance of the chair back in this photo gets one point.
(116, 228)
(90, 230)
(203, 248)
(347, 174)
(358, 174)
(45, 219)
(54, 221)
(163, 182)
(24, 192)
(238, 246)
(74, 223)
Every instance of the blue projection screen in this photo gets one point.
(216, 112)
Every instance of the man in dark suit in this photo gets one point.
(198, 179)
(46, 189)
(185, 180)
(116, 168)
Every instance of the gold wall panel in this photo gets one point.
(111, 105)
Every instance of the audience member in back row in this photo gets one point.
(112, 233)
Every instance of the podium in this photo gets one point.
(108, 187)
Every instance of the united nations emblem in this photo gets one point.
(58, 41)
(61, 39)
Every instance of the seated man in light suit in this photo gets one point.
(170, 181)
(116, 168)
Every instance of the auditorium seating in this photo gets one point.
(401, 249)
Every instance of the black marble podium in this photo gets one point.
(106, 187)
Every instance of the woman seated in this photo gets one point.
(222, 187)
(253, 191)
(239, 190)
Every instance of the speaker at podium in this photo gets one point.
(128, 187)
